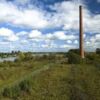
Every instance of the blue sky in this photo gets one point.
(48, 25)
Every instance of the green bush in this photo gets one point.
(11, 92)
(93, 59)
(28, 56)
(76, 51)
(15, 90)
(25, 86)
(24, 57)
(75, 59)
(21, 56)
(98, 51)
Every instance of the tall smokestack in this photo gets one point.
(81, 41)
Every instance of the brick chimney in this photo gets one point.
(81, 40)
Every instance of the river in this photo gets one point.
(7, 59)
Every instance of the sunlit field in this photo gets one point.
(50, 77)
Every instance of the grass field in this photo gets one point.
(49, 80)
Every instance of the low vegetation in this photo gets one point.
(54, 76)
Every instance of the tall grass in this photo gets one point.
(46, 79)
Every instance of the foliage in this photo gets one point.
(79, 80)
(98, 51)
(76, 51)
(21, 56)
(73, 58)
(11, 92)
(25, 86)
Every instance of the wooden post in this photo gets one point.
(81, 41)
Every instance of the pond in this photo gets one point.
(7, 59)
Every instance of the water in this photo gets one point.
(7, 59)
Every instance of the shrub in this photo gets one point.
(24, 56)
(11, 92)
(93, 58)
(25, 86)
(15, 90)
(75, 59)
(76, 51)
(21, 56)
(98, 51)
(28, 56)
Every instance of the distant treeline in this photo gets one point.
(72, 55)
(15, 53)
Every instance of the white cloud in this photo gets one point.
(92, 42)
(24, 41)
(32, 18)
(12, 38)
(92, 23)
(22, 33)
(75, 41)
(66, 16)
(57, 35)
(35, 34)
(69, 41)
(98, 1)
(60, 35)
(49, 46)
(8, 34)
(49, 36)
(67, 46)
(45, 46)
(5, 32)
(97, 37)
(4, 43)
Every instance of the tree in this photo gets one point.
(98, 51)
(21, 56)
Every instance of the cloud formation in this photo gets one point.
(98, 1)
(8, 34)
(66, 16)
(31, 18)
(63, 16)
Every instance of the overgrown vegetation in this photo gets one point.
(52, 76)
